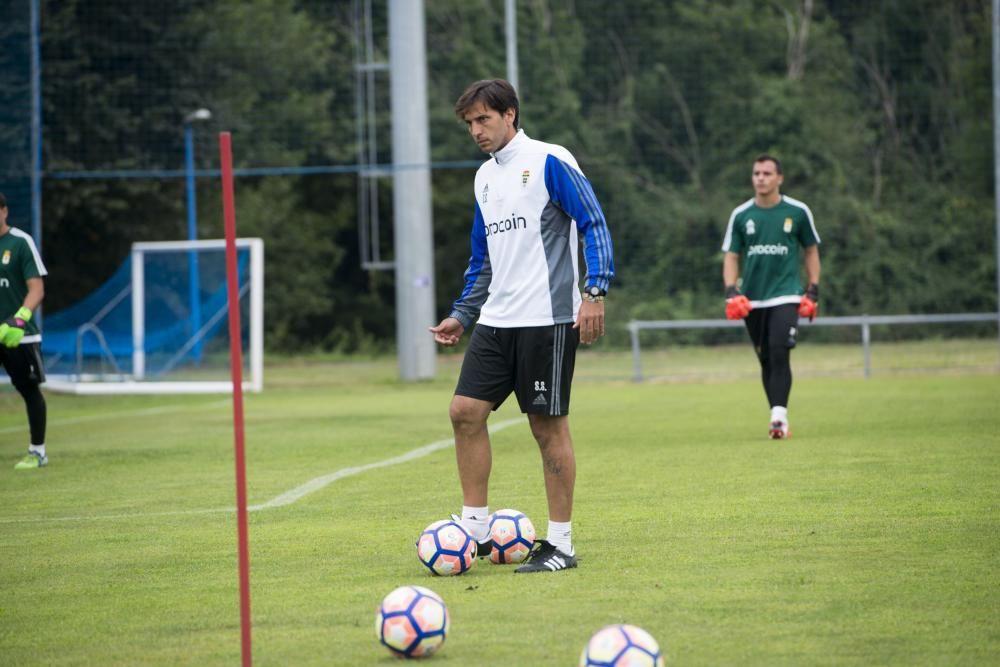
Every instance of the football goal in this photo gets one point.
(159, 325)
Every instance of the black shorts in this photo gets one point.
(23, 363)
(536, 363)
(775, 326)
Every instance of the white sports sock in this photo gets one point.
(561, 536)
(37, 449)
(476, 520)
(779, 413)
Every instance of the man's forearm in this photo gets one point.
(36, 292)
(730, 269)
(812, 265)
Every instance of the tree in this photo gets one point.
(875, 108)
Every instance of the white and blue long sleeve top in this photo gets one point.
(533, 204)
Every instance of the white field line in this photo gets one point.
(286, 498)
(289, 497)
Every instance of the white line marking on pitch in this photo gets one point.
(312, 485)
(288, 497)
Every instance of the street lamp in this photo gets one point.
(192, 214)
(192, 221)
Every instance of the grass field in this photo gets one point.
(870, 538)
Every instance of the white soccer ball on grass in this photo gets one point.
(412, 622)
(621, 645)
(512, 534)
(446, 548)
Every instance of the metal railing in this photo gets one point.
(864, 321)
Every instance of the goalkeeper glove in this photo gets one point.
(810, 302)
(12, 329)
(737, 305)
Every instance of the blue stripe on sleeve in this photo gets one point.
(572, 192)
(477, 277)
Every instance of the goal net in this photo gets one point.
(160, 324)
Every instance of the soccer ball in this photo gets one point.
(513, 534)
(412, 622)
(445, 548)
(621, 646)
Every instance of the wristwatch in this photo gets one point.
(594, 294)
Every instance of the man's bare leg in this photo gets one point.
(558, 463)
(555, 444)
(475, 461)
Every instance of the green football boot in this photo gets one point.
(31, 461)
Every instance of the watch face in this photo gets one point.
(595, 291)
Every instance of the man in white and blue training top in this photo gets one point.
(533, 205)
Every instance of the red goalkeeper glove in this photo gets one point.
(737, 305)
(810, 302)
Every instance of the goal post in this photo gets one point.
(164, 331)
(256, 293)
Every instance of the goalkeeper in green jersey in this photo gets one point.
(21, 291)
(773, 236)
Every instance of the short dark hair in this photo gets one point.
(496, 94)
(765, 157)
(3, 200)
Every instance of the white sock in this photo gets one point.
(561, 536)
(779, 413)
(37, 449)
(476, 520)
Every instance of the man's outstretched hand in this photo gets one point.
(448, 331)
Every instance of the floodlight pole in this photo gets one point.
(36, 127)
(996, 142)
(36, 136)
(510, 26)
(192, 223)
(411, 195)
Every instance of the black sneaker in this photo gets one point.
(483, 549)
(545, 557)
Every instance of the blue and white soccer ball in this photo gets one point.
(621, 645)
(446, 548)
(512, 534)
(412, 622)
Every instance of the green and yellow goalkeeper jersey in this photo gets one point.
(768, 239)
(19, 261)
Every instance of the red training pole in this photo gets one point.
(236, 362)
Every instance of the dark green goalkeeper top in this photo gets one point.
(768, 239)
(19, 261)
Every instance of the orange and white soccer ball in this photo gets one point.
(412, 622)
(512, 534)
(446, 548)
(621, 645)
